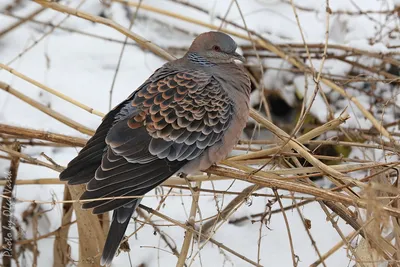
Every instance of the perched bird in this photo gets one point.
(185, 117)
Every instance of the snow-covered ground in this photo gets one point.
(83, 67)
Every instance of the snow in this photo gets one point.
(83, 67)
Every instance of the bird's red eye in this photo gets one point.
(216, 48)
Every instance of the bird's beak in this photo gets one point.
(238, 57)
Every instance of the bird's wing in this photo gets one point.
(82, 168)
(168, 122)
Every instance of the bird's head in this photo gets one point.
(215, 47)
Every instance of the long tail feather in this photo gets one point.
(120, 221)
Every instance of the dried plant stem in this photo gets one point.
(158, 230)
(52, 91)
(84, 15)
(67, 29)
(305, 224)
(306, 227)
(223, 215)
(333, 124)
(58, 116)
(377, 241)
(321, 194)
(89, 228)
(22, 132)
(173, 181)
(287, 228)
(28, 241)
(61, 247)
(189, 228)
(120, 57)
(29, 159)
(227, 192)
(341, 168)
(316, 77)
(22, 21)
(35, 42)
(337, 177)
(299, 188)
(259, 180)
(331, 251)
(188, 234)
(30, 142)
(336, 227)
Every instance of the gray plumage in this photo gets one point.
(187, 116)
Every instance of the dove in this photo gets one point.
(185, 117)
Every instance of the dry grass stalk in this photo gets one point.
(209, 226)
(173, 181)
(367, 255)
(29, 159)
(190, 228)
(61, 249)
(333, 124)
(52, 91)
(377, 241)
(331, 251)
(165, 238)
(58, 116)
(91, 234)
(240, 198)
(55, 232)
(84, 15)
(22, 21)
(22, 132)
(337, 177)
(71, 30)
(299, 188)
(375, 224)
(294, 257)
(188, 234)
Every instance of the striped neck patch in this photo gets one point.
(197, 59)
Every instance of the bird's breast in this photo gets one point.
(240, 103)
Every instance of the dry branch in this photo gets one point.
(22, 21)
(58, 116)
(22, 132)
(91, 234)
(190, 228)
(52, 91)
(188, 234)
(333, 124)
(158, 230)
(61, 249)
(299, 188)
(84, 15)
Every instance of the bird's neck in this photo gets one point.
(199, 60)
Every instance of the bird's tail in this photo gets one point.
(120, 221)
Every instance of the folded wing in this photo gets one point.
(169, 122)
